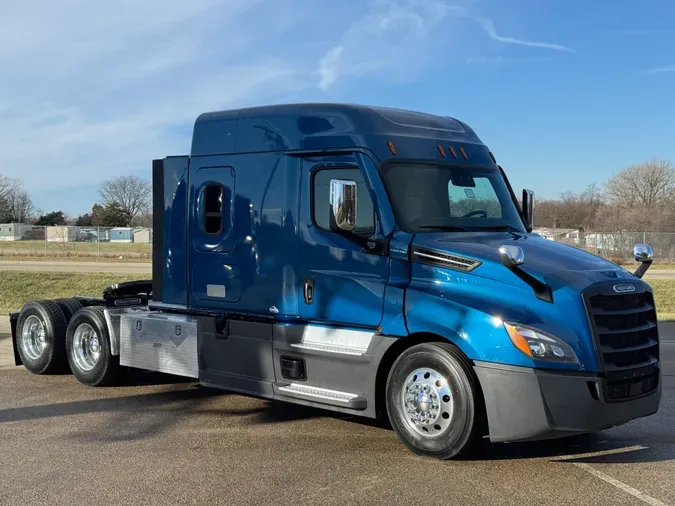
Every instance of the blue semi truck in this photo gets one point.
(370, 261)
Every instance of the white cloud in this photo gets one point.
(94, 89)
(392, 36)
(660, 70)
(329, 67)
(489, 28)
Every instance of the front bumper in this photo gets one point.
(525, 404)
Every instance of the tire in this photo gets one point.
(435, 381)
(69, 307)
(41, 337)
(88, 347)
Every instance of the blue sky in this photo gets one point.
(565, 93)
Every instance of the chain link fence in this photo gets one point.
(126, 243)
(28, 241)
(618, 246)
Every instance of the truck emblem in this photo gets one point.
(139, 325)
(178, 337)
(624, 288)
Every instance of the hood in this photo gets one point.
(554, 263)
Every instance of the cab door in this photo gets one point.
(339, 282)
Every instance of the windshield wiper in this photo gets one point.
(446, 227)
(501, 227)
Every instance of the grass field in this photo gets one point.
(18, 287)
(75, 250)
(664, 296)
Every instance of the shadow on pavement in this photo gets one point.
(565, 449)
(146, 415)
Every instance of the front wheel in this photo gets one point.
(433, 401)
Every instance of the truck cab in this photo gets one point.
(377, 262)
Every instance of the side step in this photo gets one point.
(330, 348)
(322, 395)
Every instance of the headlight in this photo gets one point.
(540, 345)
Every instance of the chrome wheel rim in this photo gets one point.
(33, 337)
(86, 348)
(427, 402)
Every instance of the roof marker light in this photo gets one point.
(391, 147)
(461, 150)
(441, 150)
(452, 151)
(493, 157)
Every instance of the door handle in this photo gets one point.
(308, 290)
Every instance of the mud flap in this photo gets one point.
(13, 318)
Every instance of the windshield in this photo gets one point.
(431, 198)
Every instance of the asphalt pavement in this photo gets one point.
(157, 441)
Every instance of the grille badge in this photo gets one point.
(624, 288)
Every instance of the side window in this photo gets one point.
(214, 218)
(481, 197)
(365, 212)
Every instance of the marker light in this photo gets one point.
(461, 150)
(441, 150)
(539, 345)
(452, 151)
(391, 147)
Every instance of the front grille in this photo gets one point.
(627, 340)
(433, 257)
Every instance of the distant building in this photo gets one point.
(62, 234)
(142, 235)
(121, 234)
(94, 234)
(558, 234)
(13, 231)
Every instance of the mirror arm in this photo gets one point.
(375, 246)
(350, 236)
(541, 290)
(640, 271)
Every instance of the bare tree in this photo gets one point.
(20, 208)
(130, 193)
(571, 210)
(8, 187)
(647, 184)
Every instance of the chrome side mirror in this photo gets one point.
(342, 205)
(512, 255)
(528, 209)
(644, 254)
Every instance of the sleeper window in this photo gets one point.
(213, 209)
(365, 212)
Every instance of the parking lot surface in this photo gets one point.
(158, 441)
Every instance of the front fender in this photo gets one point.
(481, 336)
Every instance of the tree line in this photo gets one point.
(124, 201)
(636, 199)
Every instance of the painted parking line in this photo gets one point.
(647, 499)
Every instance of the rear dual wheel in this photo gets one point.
(433, 401)
(40, 334)
(88, 348)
